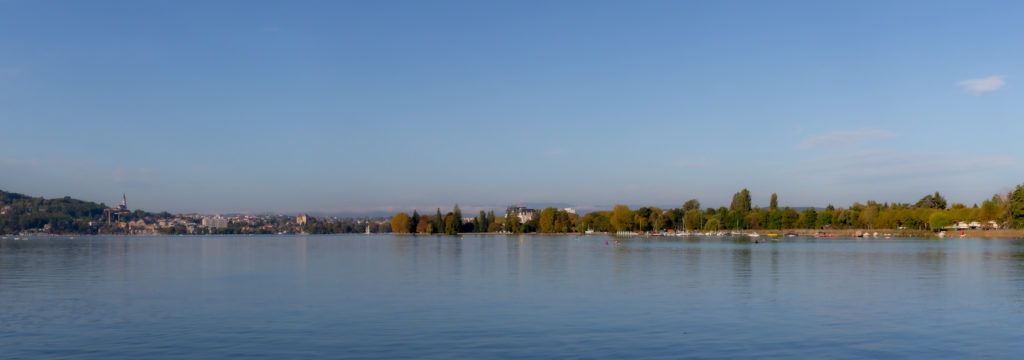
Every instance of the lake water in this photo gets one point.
(381, 296)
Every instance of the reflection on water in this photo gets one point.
(508, 296)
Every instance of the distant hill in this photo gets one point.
(21, 213)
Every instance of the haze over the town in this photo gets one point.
(238, 106)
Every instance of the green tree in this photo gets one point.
(938, 220)
(735, 219)
(694, 219)
(481, 222)
(458, 217)
(741, 201)
(451, 225)
(932, 202)
(415, 221)
(691, 204)
(712, 225)
(622, 218)
(642, 219)
(808, 218)
(547, 220)
(438, 223)
(563, 221)
(775, 219)
(989, 211)
(512, 224)
(657, 219)
(774, 203)
(597, 221)
(824, 219)
(1016, 200)
(492, 222)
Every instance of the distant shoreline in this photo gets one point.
(845, 233)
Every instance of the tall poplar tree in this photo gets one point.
(415, 221)
(458, 218)
(438, 223)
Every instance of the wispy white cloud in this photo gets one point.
(983, 85)
(845, 138)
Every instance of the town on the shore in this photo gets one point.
(26, 215)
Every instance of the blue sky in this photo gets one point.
(335, 106)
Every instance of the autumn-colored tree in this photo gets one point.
(426, 225)
(400, 223)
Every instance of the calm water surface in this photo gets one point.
(509, 297)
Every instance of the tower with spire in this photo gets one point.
(120, 210)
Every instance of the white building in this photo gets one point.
(525, 214)
(216, 222)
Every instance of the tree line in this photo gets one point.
(450, 223)
(931, 212)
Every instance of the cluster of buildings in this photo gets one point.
(203, 224)
(244, 224)
(526, 214)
